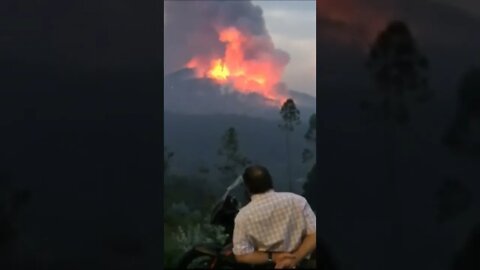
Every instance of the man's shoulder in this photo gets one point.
(291, 195)
(292, 198)
(243, 213)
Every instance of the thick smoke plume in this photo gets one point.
(226, 41)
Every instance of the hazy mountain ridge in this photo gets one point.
(188, 95)
(195, 140)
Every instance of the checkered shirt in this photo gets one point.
(273, 221)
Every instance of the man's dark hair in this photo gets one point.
(257, 179)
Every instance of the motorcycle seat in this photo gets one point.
(209, 249)
(215, 250)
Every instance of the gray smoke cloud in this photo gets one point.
(191, 30)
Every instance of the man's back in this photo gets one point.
(273, 221)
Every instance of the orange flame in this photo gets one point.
(219, 71)
(258, 75)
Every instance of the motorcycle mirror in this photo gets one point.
(237, 182)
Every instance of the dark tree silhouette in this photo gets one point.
(291, 118)
(398, 69)
(460, 135)
(233, 160)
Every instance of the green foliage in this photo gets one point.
(180, 213)
(172, 251)
(186, 227)
(188, 201)
(202, 233)
(193, 190)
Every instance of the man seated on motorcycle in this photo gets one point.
(274, 227)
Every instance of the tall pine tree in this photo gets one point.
(290, 119)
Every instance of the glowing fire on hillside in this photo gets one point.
(248, 65)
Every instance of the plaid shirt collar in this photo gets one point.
(256, 197)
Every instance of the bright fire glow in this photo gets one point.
(258, 74)
(219, 71)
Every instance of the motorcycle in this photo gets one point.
(210, 256)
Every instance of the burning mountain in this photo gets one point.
(259, 74)
(226, 42)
